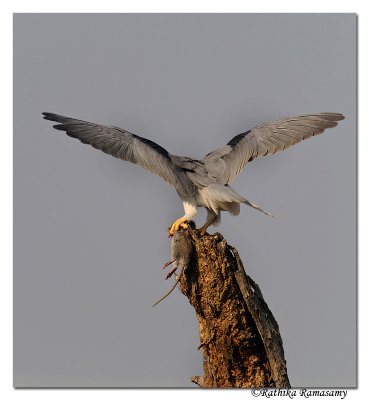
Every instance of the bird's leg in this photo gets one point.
(176, 225)
(205, 227)
(209, 220)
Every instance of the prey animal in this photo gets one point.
(205, 182)
(181, 252)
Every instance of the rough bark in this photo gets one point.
(239, 336)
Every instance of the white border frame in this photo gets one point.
(6, 159)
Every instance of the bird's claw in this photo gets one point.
(177, 225)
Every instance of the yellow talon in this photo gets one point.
(177, 225)
(211, 219)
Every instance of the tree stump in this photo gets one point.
(239, 336)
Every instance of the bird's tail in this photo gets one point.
(253, 205)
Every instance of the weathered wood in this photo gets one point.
(239, 336)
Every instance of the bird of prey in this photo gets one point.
(200, 183)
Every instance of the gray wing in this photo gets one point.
(126, 146)
(265, 139)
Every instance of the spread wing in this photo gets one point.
(265, 139)
(126, 146)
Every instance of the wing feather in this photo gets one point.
(266, 139)
(126, 146)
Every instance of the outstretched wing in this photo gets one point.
(126, 146)
(265, 139)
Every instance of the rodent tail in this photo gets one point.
(172, 288)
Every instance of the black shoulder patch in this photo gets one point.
(153, 145)
(233, 142)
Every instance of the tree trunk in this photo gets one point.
(239, 336)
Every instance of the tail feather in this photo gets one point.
(245, 201)
(218, 197)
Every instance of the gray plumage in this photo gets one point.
(200, 183)
(181, 252)
(126, 146)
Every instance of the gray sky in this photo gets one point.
(90, 230)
